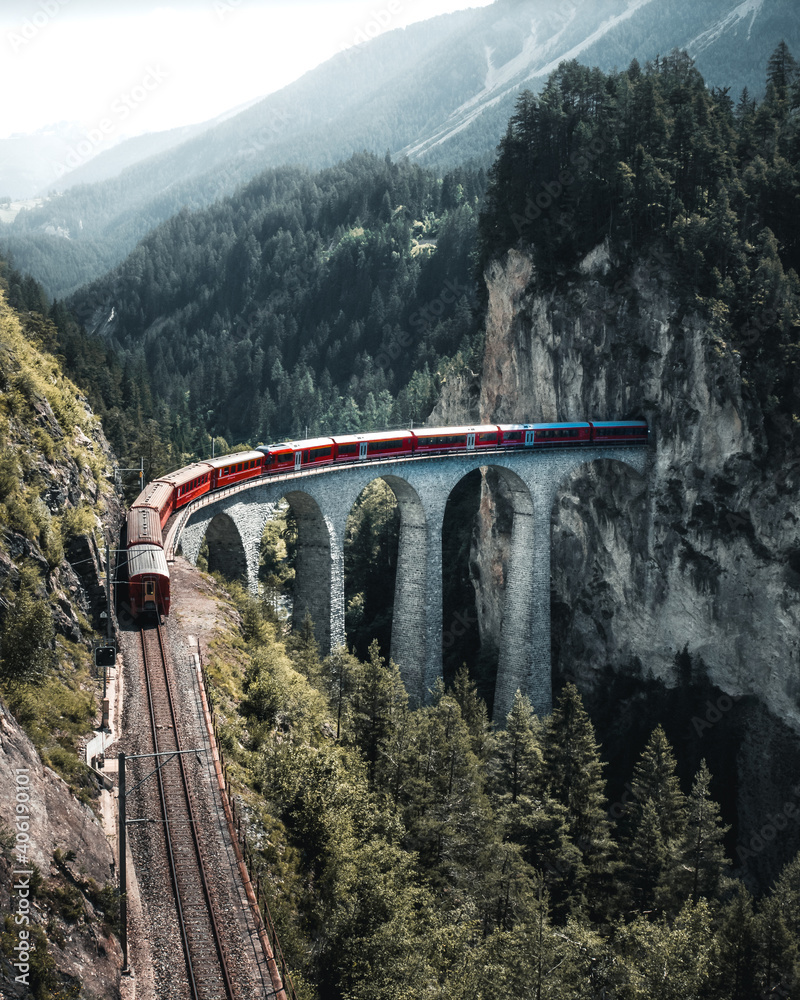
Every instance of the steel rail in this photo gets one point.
(198, 990)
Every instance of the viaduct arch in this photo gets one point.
(322, 499)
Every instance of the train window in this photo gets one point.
(348, 449)
(488, 438)
(374, 446)
(513, 435)
(319, 453)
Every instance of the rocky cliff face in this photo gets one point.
(57, 507)
(674, 599)
(74, 877)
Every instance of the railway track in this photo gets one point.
(206, 962)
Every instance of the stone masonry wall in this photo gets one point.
(322, 500)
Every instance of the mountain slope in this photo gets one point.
(440, 91)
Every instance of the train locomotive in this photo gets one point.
(148, 573)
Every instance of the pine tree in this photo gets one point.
(517, 764)
(473, 712)
(778, 925)
(736, 959)
(702, 855)
(781, 70)
(645, 859)
(442, 796)
(575, 779)
(537, 959)
(376, 705)
(666, 959)
(654, 780)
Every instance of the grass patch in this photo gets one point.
(57, 712)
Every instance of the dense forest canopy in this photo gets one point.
(651, 160)
(307, 303)
(426, 854)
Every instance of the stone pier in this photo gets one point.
(322, 499)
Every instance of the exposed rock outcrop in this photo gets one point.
(69, 850)
(57, 508)
(686, 583)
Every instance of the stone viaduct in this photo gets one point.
(234, 521)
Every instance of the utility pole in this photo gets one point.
(108, 593)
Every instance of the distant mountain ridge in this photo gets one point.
(439, 91)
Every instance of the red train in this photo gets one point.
(147, 567)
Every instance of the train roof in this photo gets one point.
(146, 559)
(374, 436)
(442, 431)
(619, 423)
(154, 495)
(144, 526)
(183, 476)
(298, 445)
(236, 457)
(543, 427)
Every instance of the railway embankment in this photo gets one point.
(198, 613)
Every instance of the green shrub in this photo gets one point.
(78, 522)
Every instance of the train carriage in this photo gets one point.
(516, 435)
(381, 444)
(230, 469)
(433, 439)
(144, 526)
(620, 431)
(277, 458)
(189, 483)
(548, 435)
(148, 580)
(157, 496)
(297, 455)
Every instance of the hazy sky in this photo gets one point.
(175, 62)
